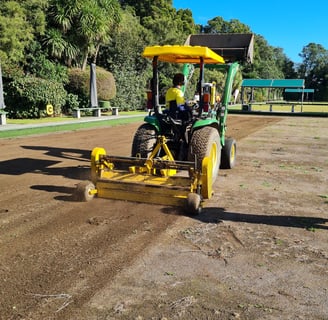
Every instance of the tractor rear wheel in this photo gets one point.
(144, 141)
(228, 154)
(205, 142)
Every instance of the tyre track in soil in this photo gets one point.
(56, 252)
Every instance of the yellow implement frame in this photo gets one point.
(153, 180)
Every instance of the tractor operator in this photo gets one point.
(174, 99)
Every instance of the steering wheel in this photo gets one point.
(192, 104)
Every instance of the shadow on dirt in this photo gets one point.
(25, 165)
(74, 154)
(173, 211)
(29, 165)
(68, 193)
(217, 215)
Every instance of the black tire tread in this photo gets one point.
(226, 161)
(144, 141)
(200, 145)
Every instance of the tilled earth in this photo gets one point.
(259, 249)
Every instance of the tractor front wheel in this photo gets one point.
(228, 154)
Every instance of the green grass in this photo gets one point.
(64, 127)
(38, 121)
(283, 107)
(61, 119)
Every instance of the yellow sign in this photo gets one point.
(50, 110)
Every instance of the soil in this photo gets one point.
(258, 250)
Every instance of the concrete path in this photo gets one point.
(7, 126)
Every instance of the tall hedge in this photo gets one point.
(79, 83)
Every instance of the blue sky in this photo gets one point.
(288, 24)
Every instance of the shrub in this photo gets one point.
(79, 83)
(72, 102)
(28, 97)
(131, 93)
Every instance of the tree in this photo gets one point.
(268, 61)
(145, 8)
(39, 65)
(143, 23)
(219, 25)
(122, 56)
(78, 28)
(20, 23)
(167, 25)
(288, 69)
(314, 69)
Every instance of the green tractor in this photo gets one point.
(174, 161)
(203, 134)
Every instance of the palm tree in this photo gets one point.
(77, 28)
(59, 47)
(97, 20)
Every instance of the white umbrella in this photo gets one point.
(2, 101)
(93, 86)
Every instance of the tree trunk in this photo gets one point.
(96, 54)
(85, 60)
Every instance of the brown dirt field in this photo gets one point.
(259, 249)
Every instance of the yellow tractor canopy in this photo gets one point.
(183, 54)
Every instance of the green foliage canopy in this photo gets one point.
(314, 69)
(77, 28)
(20, 22)
(123, 57)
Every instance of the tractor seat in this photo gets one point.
(168, 124)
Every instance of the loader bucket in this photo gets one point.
(231, 46)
